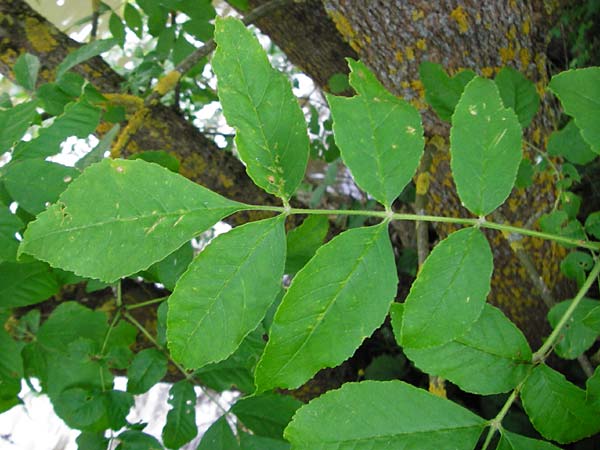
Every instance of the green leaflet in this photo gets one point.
(383, 415)
(26, 70)
(579, 94)
(84, 53)
(493, 356)
(253, 442)
(218, 437)
(181, 419)
(14, 122)
(136, 440)
(147, 368)
(10, 224)
(441, 91)
(485, 146)
(449, 293)
(27, 283)
(142, 213)
(237, 371)
(513, 441)
(557, 408)
(330, 294)
(79, 119)
(380, 136)
(569, 143)
(267, 414)
(226, 292)
(518, 93)
(93, 410)
(170, 269)
(303, 242)
(92, 441)
(97, 153)
(11, 370)
(34, 183)
(576, 336)
(592, 320)
(257, 101)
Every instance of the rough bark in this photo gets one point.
(24, 30)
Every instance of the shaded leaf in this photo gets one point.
(576, 337)
(10, 224)
(11, 371)
(26, 70)
(518, 93)
(181, 418)
(303, 242)
(226, 292)
(84, 53)
(351, 294)
(579, 94)
(569, 143)
(257, 101)
(218, 437)
(557, 408)
(441, 91)
(142, 213)
(266, 414)
(148, 367)
(14, 122)
(35, 183)
(136, 440)
(27, 283)
(97, 153)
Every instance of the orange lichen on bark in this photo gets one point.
(135, 123)
(461, 18)
(409, 51)
(39, 35)
(421, 44)
(525, 58)
(167, 83)
(417, 14)
(346, 30)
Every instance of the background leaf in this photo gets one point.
(485, 146)
(576, 336)
(34, 183)
(513, 441)
(181, 418)
(380, 136)
(218, 437)
(226, 292)
(441, 91)
(303, 242)
(27, 283)
(351, 294)
(417, 419)
(147, 368)
(579, 94)
(558, 408)
(257, 101)
(84, 53)
(569, 143)
(26, 70)
(267, 414)
(142, 213)
(518, 93)
(14, 122)
(450, 291)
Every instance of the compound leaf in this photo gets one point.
(218, 437)
(576, 336)
(518, 93)
(23, 284)
(513, 441)
(142, 213)
(148, 367)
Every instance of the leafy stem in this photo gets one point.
(478, 222)
(541, 354)
(188, 376)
